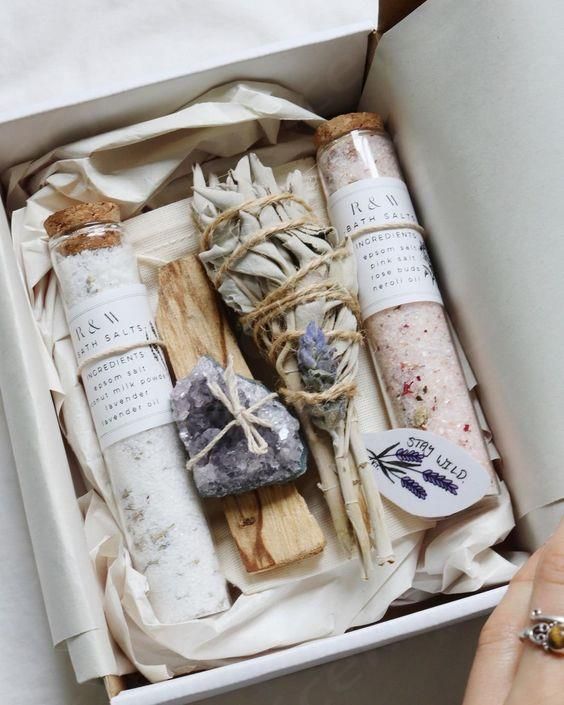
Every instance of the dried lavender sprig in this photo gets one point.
(317, 364)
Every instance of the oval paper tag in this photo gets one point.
(424, 474)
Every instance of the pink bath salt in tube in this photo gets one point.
(402, 308)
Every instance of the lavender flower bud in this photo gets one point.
(317, 365)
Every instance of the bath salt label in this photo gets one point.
(393, 264)
(425, 474)
(126, 381)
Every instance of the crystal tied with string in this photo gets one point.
(238, 435)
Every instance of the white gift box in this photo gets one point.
(328, 69)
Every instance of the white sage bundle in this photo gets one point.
(294, 286)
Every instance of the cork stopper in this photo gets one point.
(343, 124)
(65, 221)
(75, 216)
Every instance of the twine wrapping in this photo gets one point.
(118, 350)
(401, 225)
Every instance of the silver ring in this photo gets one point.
(547, 631)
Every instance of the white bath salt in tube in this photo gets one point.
(401, 305)
(128, 387)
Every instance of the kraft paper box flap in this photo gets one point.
(476, 112)
(390, 12)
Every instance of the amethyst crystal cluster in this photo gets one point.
(230, 467)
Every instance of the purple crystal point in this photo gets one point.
(230, 467)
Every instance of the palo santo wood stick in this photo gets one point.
(272, 526)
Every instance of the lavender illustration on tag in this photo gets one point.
(435, 478)
(401, 463)
(414, 487)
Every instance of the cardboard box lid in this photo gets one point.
(54, 56)
(58, 54)
(55, 59)
(308, 64)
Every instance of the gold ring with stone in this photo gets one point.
(547, 631)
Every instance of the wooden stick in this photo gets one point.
(381, 539)
(271, 526)
(320, 446)
(351, 498)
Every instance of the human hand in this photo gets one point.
(507, 670)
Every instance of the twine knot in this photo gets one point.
(244, 417)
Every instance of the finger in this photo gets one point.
(499, 647)
(541, 673)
